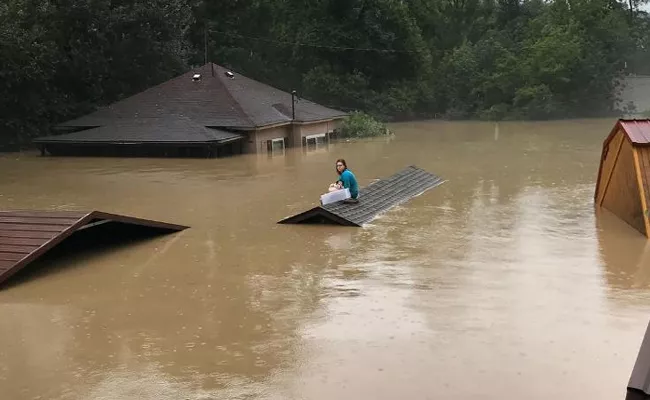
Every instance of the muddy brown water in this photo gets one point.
(501, 283)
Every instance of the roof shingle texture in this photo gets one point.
(163, 130)
(217, 101)
(374, 199)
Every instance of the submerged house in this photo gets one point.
(623, 184)
(209, 111)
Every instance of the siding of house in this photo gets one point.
(256, 142)
(301, 131)
(314, 129)
(261, 136)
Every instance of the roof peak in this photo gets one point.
(637, 130)
(232, 101)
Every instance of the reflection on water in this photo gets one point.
(626, 256)
(476, 289)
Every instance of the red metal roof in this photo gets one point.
(638, 130)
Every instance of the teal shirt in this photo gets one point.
(350, 182)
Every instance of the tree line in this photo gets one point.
(394, 59)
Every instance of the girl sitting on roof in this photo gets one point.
(346, 180)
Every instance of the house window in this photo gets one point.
(314, 142)
(276, 145)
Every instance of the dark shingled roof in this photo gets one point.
(164, 130)
(374, 199)
(217, 101)
(183, 110)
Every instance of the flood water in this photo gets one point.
(501, 283)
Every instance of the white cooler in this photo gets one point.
(335, 196)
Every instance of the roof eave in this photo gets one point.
(135, 143)
(317, 121)
(295, 122)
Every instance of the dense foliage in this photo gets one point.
(361, 125)
(390, 58)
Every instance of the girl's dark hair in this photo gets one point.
(342, 161)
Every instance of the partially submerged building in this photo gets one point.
(623, 185)
(209, 111)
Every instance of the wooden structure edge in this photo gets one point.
(642, 194)
(611, 172)
(608, 139)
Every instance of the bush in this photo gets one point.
(360, 125)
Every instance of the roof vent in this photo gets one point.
(196, 77)
(229, 74)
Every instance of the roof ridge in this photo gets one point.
(239, 107)
(220, 101)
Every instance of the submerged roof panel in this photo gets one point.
(27, 235)
(374, 199)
